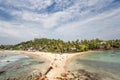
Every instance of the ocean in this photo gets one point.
(106, 64)
(15, 66)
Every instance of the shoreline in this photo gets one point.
(57, 61)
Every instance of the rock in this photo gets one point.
(2, 72)
(64, 75)
(59, 78)
(7, 61)
(70, 76)
(79, 75)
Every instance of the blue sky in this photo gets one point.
(22, 20)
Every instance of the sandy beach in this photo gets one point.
(57, 61)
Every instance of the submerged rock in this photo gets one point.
(7, 61)
(2, 72)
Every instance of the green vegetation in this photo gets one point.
(59, 46)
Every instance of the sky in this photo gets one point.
(22, 20)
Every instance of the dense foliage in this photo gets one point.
(59, 46)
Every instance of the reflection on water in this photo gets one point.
(17, 65)
(106, 64)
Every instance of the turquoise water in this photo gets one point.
(19, 65)
(106, 64)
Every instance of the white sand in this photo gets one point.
(57, 61)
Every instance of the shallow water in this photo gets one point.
(19, 65)
(105, 63)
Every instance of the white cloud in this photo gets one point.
(16, 30)
(28, 4)
(69, 20)
(99, 26)
(55, 19)
(44, 20)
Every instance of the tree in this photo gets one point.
(83, 48)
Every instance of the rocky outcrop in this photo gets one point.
(69, 75)
(78, 75)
